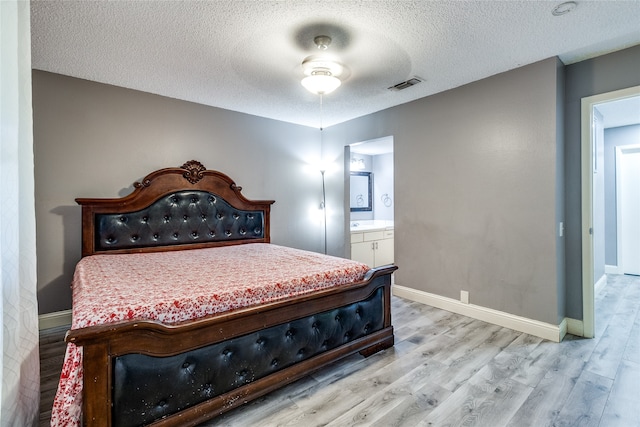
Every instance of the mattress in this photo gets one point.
(177, 286)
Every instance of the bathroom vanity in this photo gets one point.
(372, 242)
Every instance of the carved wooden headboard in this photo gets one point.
(174, 208)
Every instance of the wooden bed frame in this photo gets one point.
(113, 226)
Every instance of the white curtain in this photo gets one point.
(20, 374)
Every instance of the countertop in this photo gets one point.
(370, 225)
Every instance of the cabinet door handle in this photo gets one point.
(376, 245)
(373, 246)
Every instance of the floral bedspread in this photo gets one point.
(110, 288)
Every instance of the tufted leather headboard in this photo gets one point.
(174, 208)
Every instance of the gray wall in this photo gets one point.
(95, 140)
(618, 70)
(476, 173)
(560, 192)
(614, 137)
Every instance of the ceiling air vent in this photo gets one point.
(403, 85)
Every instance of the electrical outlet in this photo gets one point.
(464, 297)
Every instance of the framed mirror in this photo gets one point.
(361, 189)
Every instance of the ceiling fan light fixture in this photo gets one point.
(321, 82)
(321, 74)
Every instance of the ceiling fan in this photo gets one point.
(322, 71)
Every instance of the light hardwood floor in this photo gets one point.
(450, 370)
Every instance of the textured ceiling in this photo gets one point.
(246, 55)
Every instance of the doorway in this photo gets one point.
(371, 161)
(628, 204)
(593, 230)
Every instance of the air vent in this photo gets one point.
(403, 85)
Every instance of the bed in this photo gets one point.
(149, 347)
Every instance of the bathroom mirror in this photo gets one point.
(361, 189)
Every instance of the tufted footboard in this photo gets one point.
(146, 373)
(147, 388)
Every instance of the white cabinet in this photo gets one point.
(373, 248)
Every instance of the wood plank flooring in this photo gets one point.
(52, 348)
(450, 370)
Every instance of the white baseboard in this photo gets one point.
(575, 327)
(533, 327)
(563, 328)
(600, 283)
(55, 319)
(612, 269)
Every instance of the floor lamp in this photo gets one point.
(324, 211)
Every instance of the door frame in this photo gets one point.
(586, 167)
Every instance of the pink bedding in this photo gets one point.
(110, 288)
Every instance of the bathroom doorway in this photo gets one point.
(369, 200)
